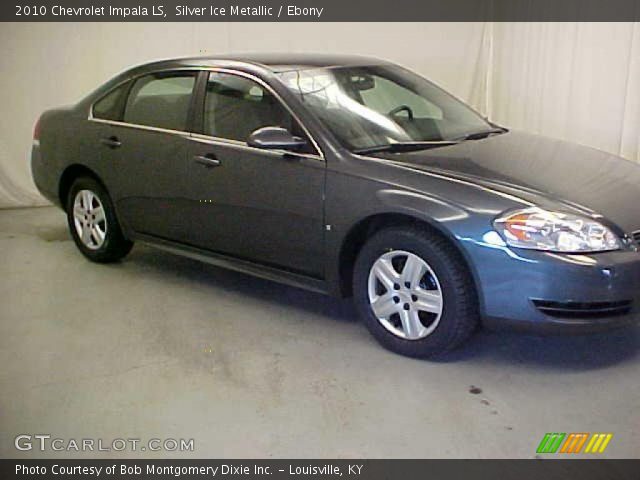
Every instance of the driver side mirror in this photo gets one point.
(275, 138)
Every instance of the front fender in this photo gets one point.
(420, 205)
(391, 205)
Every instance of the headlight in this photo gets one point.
(540, 229)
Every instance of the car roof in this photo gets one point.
(280, 62)
(252, 62)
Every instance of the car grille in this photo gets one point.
(583, 309)
(636, 237)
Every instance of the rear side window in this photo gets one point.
(161, 100)
(110, 106)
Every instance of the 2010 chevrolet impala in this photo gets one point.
(350, 176)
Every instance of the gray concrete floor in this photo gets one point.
(166, 347)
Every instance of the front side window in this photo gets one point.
(161, 100)
(377, 105)
(236, 106)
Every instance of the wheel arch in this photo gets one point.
(358, 234)
(69, 175)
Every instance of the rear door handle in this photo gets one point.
(208, 160)
(111, 142)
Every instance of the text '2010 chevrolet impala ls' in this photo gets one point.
(353, 177)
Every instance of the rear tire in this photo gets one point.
(93, 223)
(414, 292)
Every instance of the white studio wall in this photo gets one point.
(580, 82)
(576, 81)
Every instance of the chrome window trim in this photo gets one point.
(183, 133)
(213, 139)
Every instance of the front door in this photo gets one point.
(259, 205)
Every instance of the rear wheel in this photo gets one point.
(93, 223)
(414, 292)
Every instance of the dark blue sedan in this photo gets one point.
(354, 177)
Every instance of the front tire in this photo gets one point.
(93, 223)
(414, 292)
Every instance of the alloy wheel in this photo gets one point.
(89, 219)
(405, 295)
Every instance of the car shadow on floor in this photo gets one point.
(571, 352)
(552, 352)
(241, 284)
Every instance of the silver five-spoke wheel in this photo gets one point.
(405, 295)
(89, 219)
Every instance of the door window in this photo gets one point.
(111, 105)
(161, 100)
(236, 106)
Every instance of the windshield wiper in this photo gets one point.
(398, 147)
(482, 134)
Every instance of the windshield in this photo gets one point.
(371, 106)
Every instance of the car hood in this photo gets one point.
(550, 173)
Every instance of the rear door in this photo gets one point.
(260, 205)
(147, 150)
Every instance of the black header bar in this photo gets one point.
(320, 10)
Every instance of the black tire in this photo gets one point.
(114, 246)
(459, 317)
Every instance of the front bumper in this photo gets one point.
(549, 292)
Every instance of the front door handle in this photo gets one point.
(111, 142)
(208, 160)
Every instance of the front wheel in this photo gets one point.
(414, 292)
(93, 223)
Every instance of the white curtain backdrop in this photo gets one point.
(580, 82)
(576, 81)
